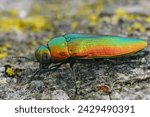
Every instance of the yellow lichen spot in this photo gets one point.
(147, 19)
(10, 24)
(10, 72)
(36, 23)
(37, 8)
(59, 16)
(33, 43)
(93, 20)
(138, 26)
(129, 28)
(130, 16)
(3, 51)
(7, 45)
(120, 12)
(13, 12)
(3, 55)
(74, 24)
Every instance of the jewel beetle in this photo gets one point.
(85, 46)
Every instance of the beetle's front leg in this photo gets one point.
(33, 77)
(56, 66)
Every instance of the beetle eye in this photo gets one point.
(45, 58)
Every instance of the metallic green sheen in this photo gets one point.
(106, 38)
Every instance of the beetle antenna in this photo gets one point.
(23, 57)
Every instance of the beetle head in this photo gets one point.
(43, 55)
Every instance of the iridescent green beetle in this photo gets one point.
(85, 46)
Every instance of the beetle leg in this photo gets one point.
(35, 73)
(73, 71)
(74, 77)
(54, 67)
(39, 71)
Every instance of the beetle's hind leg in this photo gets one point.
(73, 71)
(74, 78)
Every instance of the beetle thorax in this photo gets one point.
(58, 49)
